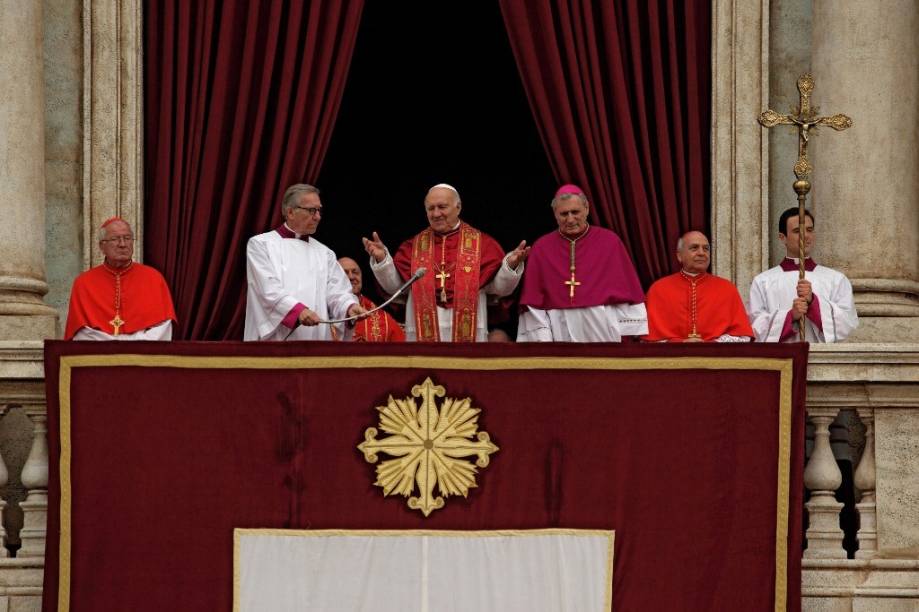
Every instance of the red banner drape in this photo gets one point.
(693, 455)
(240, 101)
(620, 92)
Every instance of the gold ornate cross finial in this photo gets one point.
(805, 118)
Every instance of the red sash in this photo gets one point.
(464, 278)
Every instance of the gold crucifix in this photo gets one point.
(443, 275)
(805, 118)
(572, 284)
(116, 323)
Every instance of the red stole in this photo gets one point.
(465, 277)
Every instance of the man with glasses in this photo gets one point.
(294, 280)
(119, 299)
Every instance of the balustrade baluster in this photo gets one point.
(35, 479)
(865, 481)
(4, 479)
(822, 477)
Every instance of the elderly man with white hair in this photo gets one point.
(581, 285)
(464, 267)
(119, 299)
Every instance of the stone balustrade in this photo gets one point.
(863, 414)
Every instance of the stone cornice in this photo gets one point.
(22, 360)
(863, 363)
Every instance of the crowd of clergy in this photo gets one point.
(577, 284)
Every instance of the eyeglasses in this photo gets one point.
(312, 210)
(120, 239)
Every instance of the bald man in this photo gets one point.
(379, 326)
(693, 305)
(464, 267)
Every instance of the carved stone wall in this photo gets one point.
(740, 169)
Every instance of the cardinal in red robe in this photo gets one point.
(380, 326)
(693, 305)
(119, 299)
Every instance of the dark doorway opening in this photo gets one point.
(431, 103)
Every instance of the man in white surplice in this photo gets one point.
(294, 280)
(822, 300)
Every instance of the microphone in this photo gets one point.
(420, 272)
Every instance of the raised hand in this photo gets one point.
(518, 255)
(375, 247)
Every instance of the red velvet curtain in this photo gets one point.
(621, 96)
(240, 100)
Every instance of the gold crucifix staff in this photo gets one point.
(804, 117)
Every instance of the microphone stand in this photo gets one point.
(417, 275)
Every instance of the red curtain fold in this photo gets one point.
(240, 101)
(621, 97)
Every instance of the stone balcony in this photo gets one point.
(862, 515)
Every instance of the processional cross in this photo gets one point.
(804, 117)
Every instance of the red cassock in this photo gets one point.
(718, 308)
(378, 327)
(138, 294)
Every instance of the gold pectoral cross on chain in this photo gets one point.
(442, 276)
(572, 283)
(116, 323)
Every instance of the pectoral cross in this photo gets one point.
(572, 284)
(442, 276)
(116, 323)
(805, 118)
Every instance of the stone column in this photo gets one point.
(112, 120)
(740, 178)
(23, 313)
(866, 188)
